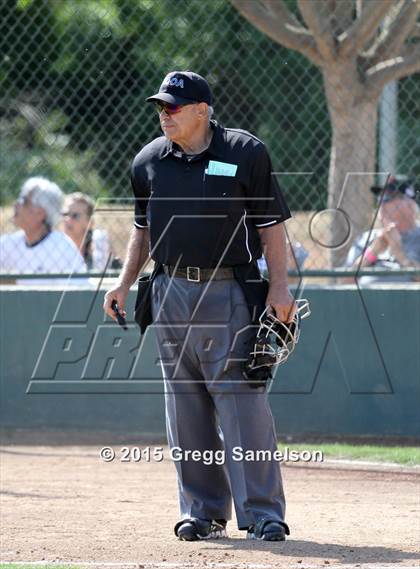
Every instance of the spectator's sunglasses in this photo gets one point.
(169, 108)
(75, 215)
(24, 200)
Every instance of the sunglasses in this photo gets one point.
(169, 108)
(23, 201)
(73, 215)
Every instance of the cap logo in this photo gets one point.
(173, 81)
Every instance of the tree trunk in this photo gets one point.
(353, 156)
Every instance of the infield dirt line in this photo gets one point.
(192, 565)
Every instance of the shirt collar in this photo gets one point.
(216, 147)
(35, 243)
(217, 144)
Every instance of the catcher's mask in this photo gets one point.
(274, 343)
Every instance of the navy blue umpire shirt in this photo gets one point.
(204, 210)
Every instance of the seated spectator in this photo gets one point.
(92, 243)
(398, 215)
(296, 257)
(397, 243)
(37, 248)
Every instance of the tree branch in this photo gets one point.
(415, 34)
(279, 30)
(380, 38)
(342, 15)
(320, 28)
(393, 69)
(396, 34)
(364, 28)
(283, 14)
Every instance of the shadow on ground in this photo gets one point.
(303, 549)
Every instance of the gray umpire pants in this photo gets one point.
(203, 332)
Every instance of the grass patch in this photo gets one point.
(408, 456)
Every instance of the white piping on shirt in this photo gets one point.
(246, 236)
(264, 224)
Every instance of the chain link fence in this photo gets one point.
(75, 74)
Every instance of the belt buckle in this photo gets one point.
(193, 274)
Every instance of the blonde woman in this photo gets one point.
(92, 243)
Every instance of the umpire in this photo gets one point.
(207, 206)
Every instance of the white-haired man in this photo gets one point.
(37, 248)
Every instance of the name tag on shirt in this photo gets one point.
(220, 169)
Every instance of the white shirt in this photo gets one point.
(101, 249)
(56, 253)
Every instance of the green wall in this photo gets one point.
(355, 371)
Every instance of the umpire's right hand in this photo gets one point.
(119, 294)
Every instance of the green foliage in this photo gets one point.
(409, 127)
(93, 62)
(31, 151)
(409, 147)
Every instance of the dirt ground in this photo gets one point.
(63, 503)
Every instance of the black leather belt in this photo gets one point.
(198, 275)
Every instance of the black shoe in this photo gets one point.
(268, 530)
(194, 529)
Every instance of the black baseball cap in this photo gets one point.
(183, 87)
(392, 187)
